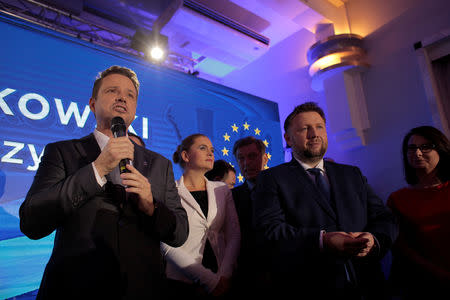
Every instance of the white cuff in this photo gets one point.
(100, 180)
(322, 232)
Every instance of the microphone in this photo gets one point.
(119, 129)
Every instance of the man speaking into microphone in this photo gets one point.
(109, 222)
(119, 129)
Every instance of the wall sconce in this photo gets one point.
(342, 51)
(336, 64)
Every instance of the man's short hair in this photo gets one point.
(245, 141)
(115, 70)
(305, 107)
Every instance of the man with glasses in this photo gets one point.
(324, 226)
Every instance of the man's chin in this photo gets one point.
(315, 154)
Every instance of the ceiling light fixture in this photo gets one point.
(333, 54)
(337, 51)
(153, 45)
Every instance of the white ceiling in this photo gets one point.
(211, 48)
(224, 49)
(247, 31)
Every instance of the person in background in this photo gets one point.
(252, 276)
(203, 266)
(324, 227)
(108, 225)
(137, 139)
(421, 255)
(222, 171)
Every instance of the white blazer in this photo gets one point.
(221, 228)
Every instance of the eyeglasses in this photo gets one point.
(424, 148)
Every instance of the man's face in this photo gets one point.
(117, 96)
(230, 179)
(307, 136)
(251, 161)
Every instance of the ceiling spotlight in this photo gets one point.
(152, 44)
(156, 53)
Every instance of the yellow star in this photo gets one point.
(231, 164)
(257, 131)
(235, 128)
(225, 151)
(266, 143)
(226, 136)
(246, 125)
(266, 167)
(240, 178)
(269, 156)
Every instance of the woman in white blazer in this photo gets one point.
(204, 264)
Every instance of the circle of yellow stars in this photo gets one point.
(246, 127)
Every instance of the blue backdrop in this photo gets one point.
(45, 83)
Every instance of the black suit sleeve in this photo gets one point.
(274, 227)
(380, 220)
(56, 191)
(169, 221)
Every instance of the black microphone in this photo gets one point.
(119, 129)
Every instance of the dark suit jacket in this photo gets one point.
(242, 202)
(290, 213)
(104, 246)
(251, 275)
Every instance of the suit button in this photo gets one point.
(76, 201)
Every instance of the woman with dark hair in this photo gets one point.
(421, 254)
(222, 171)
(203, 266)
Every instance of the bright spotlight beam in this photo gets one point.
(156, 53)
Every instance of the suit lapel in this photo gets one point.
(88, 148)
(89, 151)
(309, 187)
(188, 198)
(141, 161)
(212, 201)
(335, 185)
(243, 193)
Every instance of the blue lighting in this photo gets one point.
(44, 96)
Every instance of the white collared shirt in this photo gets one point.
(318, 166)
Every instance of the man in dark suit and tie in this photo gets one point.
(251, 156)
(251, 275)
(108, 223)
(324, 226)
